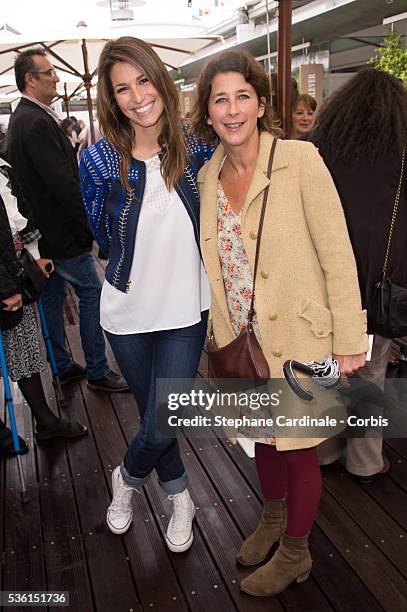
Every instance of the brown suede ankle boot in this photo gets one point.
(292, 561)
(269, 530)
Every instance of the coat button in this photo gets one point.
(273, 316)
(320, 332)
(264, 274)
(253, 235)
(277, 353)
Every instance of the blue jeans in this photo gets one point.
(80, 272)
(143, 358)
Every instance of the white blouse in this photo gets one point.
(16, 220)
(168, 285)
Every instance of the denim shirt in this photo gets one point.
(113, 213)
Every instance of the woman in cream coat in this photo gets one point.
(307, 296)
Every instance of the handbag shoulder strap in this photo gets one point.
(394, 215)
(260, 230)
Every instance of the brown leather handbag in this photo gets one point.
(243, 357)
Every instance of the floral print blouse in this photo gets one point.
(237, 276)
(238, 281)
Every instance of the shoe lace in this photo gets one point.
(122, 499)
(181, 518)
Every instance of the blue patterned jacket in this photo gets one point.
(113, 215)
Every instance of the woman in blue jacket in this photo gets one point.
(140, 194)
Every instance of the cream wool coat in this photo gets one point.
(307, 294)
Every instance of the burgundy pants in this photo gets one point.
(296, 476)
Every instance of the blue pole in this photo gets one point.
(47, 339)
(51, 356)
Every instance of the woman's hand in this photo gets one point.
(43, 263)
(13, 303)
(349, 364)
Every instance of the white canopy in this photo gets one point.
(67, 51)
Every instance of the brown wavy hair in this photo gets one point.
(117, 128)
(252, 72)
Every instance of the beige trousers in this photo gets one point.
(363, 455)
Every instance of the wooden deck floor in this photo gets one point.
(59, 541)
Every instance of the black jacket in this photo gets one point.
(367, 193)
(45, 165)
(9, 280)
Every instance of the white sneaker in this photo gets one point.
(120, 513)
(179, 533)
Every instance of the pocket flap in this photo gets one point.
(319, 316)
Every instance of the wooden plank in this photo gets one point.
(398, 468)
(368, 515)
(113, 587)
(236, 492)
(201, 583)
(220, 534)
(330, 569)
(23, 552)
(92, 498)
(356, 583)
(307, 594)
(391, 498)
(386, 584)
(66, 564)
(245, 509)
(199, 577)
(399, 445)
(336, 579)
(143, 548)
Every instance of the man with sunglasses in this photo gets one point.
(45, 165)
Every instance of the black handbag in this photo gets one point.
(243, 357)
(387, 309)
(32, 280)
